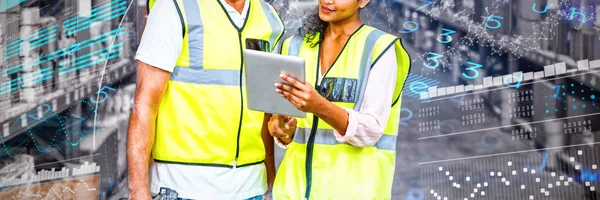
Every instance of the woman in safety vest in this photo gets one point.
(345, 147)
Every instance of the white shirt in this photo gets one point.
(160, 47)
(366, 125)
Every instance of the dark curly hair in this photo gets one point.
(311, 26)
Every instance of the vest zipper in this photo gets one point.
(309, 154)
(237, 146)
(311, 139)
(239, 30)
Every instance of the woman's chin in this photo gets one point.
(325, 17)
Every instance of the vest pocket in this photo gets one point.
(339, 89)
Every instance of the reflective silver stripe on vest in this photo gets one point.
(195, 33)
(206, 76)
(294, 46)
(326, 137)
(365, 65)
(196, 73)
(276, 27)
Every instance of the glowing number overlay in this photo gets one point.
(493, 19)
(46, 108)
(537, 11)
(103, 93)
(446, 128)
(447, 35)
(557, 91)
(490, 142)
(408, 29)
(473, 69)
(429, 2)
(515, 85)
(404, 119)
(415, 194)
(435, 58)
(418, 87)
(543, 165)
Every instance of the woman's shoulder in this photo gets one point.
(380, 40)
(310, 39)
(295, 37)
(378, 33)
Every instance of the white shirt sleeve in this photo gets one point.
(366, 126)
(280, 143)
(162, 38)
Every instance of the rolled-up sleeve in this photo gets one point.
(162, 38)
(366, 125)
(280, 143)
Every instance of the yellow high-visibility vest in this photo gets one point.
(316, 165)
(150, 4)
(203, 118)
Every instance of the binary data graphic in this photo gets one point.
(501, 101)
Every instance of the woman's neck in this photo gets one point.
(343, 28)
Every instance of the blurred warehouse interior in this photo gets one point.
(67, 81)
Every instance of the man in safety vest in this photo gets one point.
(190, 109)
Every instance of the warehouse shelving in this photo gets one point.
(21, 117)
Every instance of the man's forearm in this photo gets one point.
(140, 139)
(269, 152)
(151, 86)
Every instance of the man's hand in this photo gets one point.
(141, 194)
(267, 196)
(282, 127)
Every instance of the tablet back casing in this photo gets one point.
(262, 72)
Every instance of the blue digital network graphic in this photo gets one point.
(57, 127)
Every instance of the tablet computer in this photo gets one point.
(262, 72)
